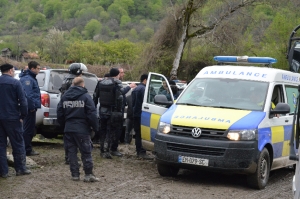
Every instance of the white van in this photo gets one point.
(230, 118)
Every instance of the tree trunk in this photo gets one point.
(179, 53)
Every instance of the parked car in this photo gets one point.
(50, 81)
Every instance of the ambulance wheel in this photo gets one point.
(260, 178)
(166, 170)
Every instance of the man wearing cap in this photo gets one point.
(13, 109)
(32, 90)
(108, 126)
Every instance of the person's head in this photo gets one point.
(122, 73)
(106, 75)
(34, 67)
(164, 84)
(7, 69)
(114, 72)
(174, 89)
(144, 78)
(171, 82)
(78, 81)
(77, 68)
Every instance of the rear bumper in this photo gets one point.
(50, 121)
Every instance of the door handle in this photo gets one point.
(286, 120)
(145, 107)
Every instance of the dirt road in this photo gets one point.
(129, 177)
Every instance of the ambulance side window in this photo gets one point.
(291, 94)
(156, 86)
(277, 96)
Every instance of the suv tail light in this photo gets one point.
(45, 99)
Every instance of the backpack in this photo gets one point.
(109, 93)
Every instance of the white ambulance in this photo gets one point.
(230, 118)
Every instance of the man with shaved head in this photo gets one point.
(77, 113)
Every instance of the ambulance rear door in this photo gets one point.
(152, 112)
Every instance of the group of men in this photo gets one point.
(20, 101)
(78, 115)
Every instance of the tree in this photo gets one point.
(190, 28)
(92, 28)
(55, 44)
(36, 19)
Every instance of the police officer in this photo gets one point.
(75, 70)
(111, 117)
(137, 101)
(13, 109)
(32, 90)
(77, 113)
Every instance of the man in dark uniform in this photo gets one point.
(13, 109)
(111, 117)
(77, 113)
(32, 90)
(75, 70)
(137, 101)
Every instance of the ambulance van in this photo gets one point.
(230, 118)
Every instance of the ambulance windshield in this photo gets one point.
(225, 93)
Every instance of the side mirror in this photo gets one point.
(281, 108)
(162, 100)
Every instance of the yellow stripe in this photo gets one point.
(154, 119)
(277, 134)
(145, 131)
(206, 117)
(286, 148)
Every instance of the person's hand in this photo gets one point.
(21, 120)
(32, 110)
(132, 85)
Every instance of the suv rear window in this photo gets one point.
(41, 79)
(57, 77)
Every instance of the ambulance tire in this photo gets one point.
(166, 170)
(260, 178)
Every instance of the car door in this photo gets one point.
(281, 125)
(152, 112)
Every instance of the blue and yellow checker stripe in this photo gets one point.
(149, 124)
(278, 136)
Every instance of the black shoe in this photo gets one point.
(116, 153)
(144, 156)
(32, 153)
(5, 175)
(20, 173)
(105, 155)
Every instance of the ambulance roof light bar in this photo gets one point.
(246, 60)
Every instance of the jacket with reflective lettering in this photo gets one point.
(76, 111)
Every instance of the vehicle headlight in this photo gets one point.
(164, 127)
(242, 134)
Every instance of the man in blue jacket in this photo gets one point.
(137, 102)
(77, 113)
(32, 90)
(13, 109)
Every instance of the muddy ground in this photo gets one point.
(129, 177)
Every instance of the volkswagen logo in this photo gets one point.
(196, 132)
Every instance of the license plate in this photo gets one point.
(192, 160)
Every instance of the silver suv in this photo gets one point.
(49, 82)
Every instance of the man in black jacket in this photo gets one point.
(77, 113)
(137, 102)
